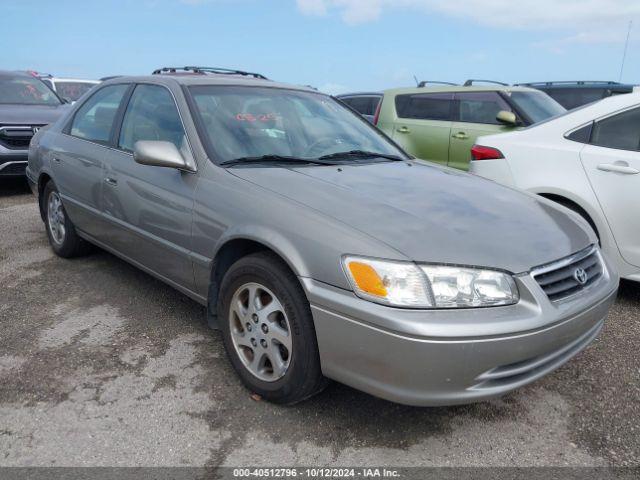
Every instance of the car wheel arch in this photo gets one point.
(575, 206)
(43, 180)
(230, 251)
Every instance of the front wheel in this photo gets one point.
(63, 238)
(268, 330)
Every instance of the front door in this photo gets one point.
(475, 115)
(612, 163)
(423, 125)
(151, 207)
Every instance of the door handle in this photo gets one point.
(618, 168)
(460, 136)
(111, 181)
(56, 159)
(403, 130)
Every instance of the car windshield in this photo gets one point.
(537, 106)
(23, 90)
(72, 91)
(251, 122)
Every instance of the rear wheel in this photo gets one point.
(63, 238)
(268, 330)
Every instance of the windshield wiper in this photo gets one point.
(274, 159)
(360, 154)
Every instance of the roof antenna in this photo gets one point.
(624, 55)
(417, 82)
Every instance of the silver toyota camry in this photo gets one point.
(320, 248)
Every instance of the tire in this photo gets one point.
(63, 238)
(280, 368)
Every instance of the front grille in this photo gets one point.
(520, 373)
(570, 275)
(16, 137)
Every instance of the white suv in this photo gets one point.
(587, 160)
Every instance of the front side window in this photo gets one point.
(480, 107)
(425, 106)
(94, 119)
(241, 122)
(536, 105)
(25, 90)
(151, 115)
(621, 131)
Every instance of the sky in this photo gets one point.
(335, 45)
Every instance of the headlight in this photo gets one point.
(405, 284)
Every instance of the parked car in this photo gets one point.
(71, 89)
(587, 160)
(319, 247)
(441, 123)
(26, 105)
(574, 94)
(365, 103)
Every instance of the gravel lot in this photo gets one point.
(102, 365)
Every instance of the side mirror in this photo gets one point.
(507, 118)
(158, 153)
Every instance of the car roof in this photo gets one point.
(457, 89)
(64, 79)
(360, 94)
(208, 79)
(578, 84)
(15, 73)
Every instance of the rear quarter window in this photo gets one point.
(425, 106)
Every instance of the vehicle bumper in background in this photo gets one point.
(497, 170)
(424, 362)
(13, 164)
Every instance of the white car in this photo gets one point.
(587, 160)
(71, 89)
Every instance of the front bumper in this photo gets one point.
(13, 163)
(438, 357)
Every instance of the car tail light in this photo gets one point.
(376, 116)
(480, 152)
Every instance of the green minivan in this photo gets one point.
(441, 124)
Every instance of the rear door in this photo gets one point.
(423, 124)
(77, 156)
(151, 208)
(475, 115)
(612, 163)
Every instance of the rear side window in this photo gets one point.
(480, 107)
(94, 119)
(621, 131)
(571, 98)
(151, 115)
(582, 135)
(425, 106)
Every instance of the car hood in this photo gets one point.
(432, 214)
(30, 114)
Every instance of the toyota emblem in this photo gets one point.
(581, 276)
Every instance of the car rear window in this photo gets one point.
(571, 98)
(363, 104)
(72, 91)
(94, 119)
(425, 106)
